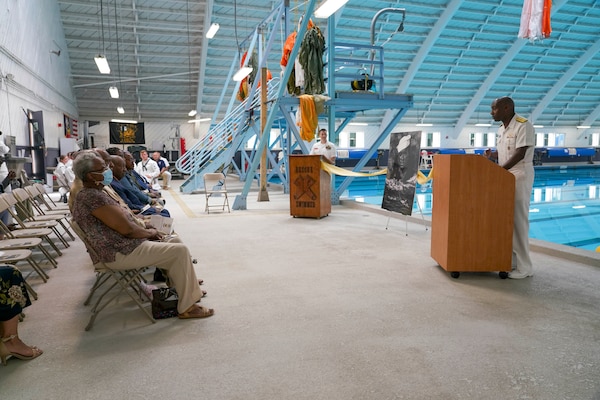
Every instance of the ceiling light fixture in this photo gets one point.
(124, 121)
(329, 7)
(100, 59)
(358, 123)
(538, 126)
(193, 110)
(102, 64)
(581, 125)
(114, 92)
(212, 31)
(421, 123)
(191, 121)
(483, 124)
(120, 109)
(242, 73)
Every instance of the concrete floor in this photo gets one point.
(336, 308)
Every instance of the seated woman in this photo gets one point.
(121, 243)
(13, 299)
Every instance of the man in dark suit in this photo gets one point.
(118, 167)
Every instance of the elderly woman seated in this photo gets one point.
(13, 299)
(121, 243)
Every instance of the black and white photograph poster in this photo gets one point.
(403, 165)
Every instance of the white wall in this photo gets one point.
(156, 134)
(573, 137)
(31, 77)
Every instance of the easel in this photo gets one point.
(406, 219)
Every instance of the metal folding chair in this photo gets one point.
(123, 280)
(21, 233)
(14, 208)
(215, 186)
(31, 210)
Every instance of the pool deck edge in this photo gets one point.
(553, 249)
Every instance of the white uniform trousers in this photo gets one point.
(523, 186)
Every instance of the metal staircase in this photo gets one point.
(216, 150)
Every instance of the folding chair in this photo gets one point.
(36, 214)
(31, 243)
(215, 186)
(123, 280)
(39, 203)
(43, 195)
(13, 206)
(21, 233)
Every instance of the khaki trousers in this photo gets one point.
(175, 258)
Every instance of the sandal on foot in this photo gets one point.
(4, 353)
(197, 312)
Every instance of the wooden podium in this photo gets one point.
(310, 187)
(472, 214)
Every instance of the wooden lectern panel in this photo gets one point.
(310, 187)
(472, 215)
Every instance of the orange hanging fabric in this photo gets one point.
(309, 118)
(287, 48)
(546, 28)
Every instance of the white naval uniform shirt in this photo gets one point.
(148, 169)
(518, 133)
(328, 149)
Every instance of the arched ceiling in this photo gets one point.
(454, 56)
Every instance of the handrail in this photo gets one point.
(374, 21)
(222, 134)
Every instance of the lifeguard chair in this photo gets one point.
(426, 160)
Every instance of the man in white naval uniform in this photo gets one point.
(515, 144)
(147, 168)
(324, 148)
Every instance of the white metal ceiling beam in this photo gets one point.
(424, 50)
(493, 76)
(564, 79)
(427, 45)
(592, 117)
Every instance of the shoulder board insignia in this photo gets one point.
(521, 119)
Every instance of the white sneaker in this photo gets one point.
(516, 274)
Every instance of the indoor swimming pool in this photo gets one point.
(565, 203)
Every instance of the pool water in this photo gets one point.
(565, 203)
